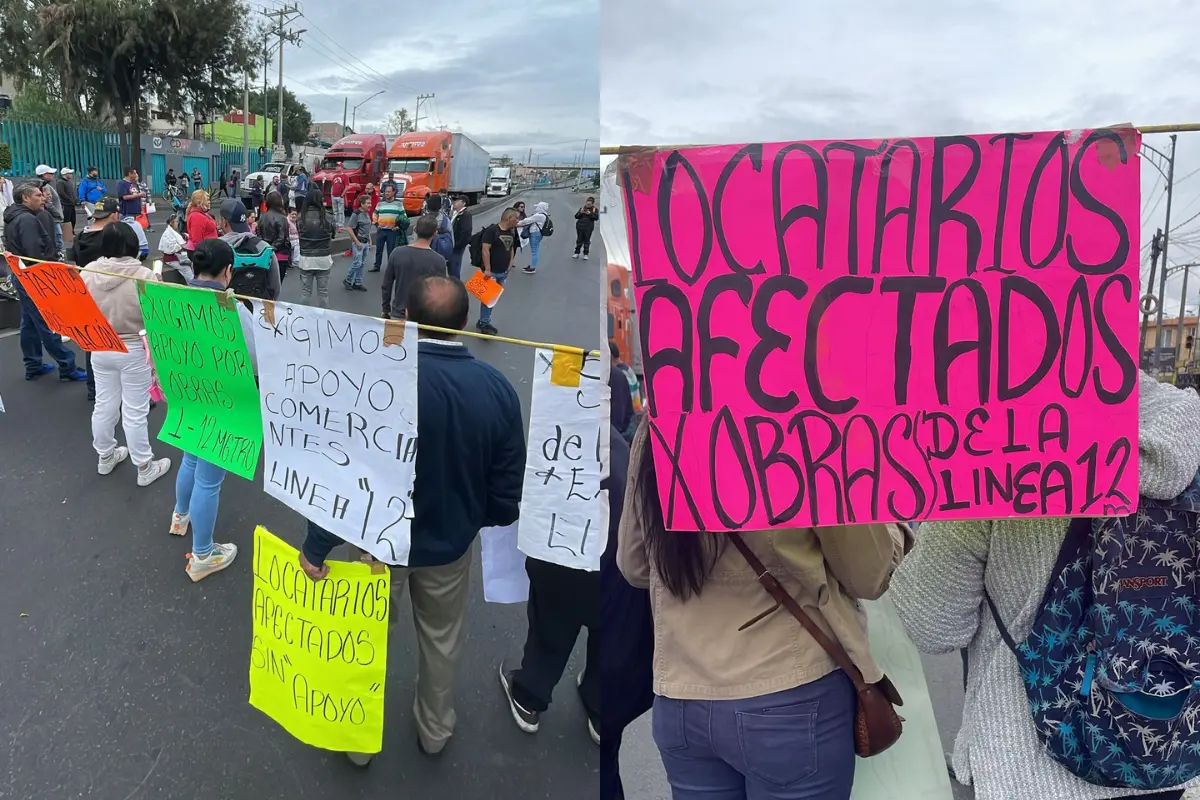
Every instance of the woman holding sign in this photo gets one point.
(743, 713)
(198, 487)
(122, 379)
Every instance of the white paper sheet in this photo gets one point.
(504, 576)
(339, 407)
(564, 513)
(916, 762)
(1, 403)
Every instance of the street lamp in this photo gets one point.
(354, 115)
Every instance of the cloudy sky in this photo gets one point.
(710, 71)
(513, 77)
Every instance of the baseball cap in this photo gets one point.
(67, 171)
(42, 169)
(106, 207)
(233, 211)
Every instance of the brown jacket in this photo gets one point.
(699, 654)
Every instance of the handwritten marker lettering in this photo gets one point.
(564, 513)
(316, 647)
(339, 410)
(859, 331)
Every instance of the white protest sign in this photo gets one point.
(916, 761)
(339, 407)
(564, 513)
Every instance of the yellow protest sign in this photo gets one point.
(318, 661)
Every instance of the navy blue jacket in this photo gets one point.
(470, 457)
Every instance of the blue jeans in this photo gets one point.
(455, 265)
(355, 272)
(384, 236)
(485, 313)
(797, 744)
(36, 334)
(58, 236)
(535, 243)
(198, 493)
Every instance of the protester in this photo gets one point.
(5, 202)
(520, 207)
(710, 678)
(391, 223)
(621, 398)
(359, 230)
(462, 227)
(198, 485)
(585, 225)
(200, 224)
(443, 240)
(256, 270)
(176, 267)
(302, 183)
(122, 379)
(129, 195)
(630, 379)
(223, 186)
(67, 196)
(135, 223)
(407, 265)
(337, 197)
(626, 637)
(85, 250)
(531, 228)
(562, 601)
(91, 189)
(499, 251)
(198, 179)
(273, 229)
(316, 238)
(941, 594)
(53, 205)
(256, 193)
(469, 473)
(293, 233)
(29, 232)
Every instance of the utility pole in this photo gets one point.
(246, 122)
(281, 18)
(1187, 268)
(421, 98)
(1155, 252)
(345, 106)
(1166, 238)
(582, 158)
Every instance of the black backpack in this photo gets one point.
(475, 245)
(252, 269)
(548, 228)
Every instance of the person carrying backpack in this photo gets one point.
(443, 240)
(533, 228)
(1094, 693)
(255, 268)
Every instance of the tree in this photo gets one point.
(41, 100)
(504, 161)
(400, 123)
(297, 119)
(119, 53)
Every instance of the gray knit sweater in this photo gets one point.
(938, 592)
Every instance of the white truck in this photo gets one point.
(499, 182)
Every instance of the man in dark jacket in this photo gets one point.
(585, 224)
(461, 227)
(28, 231)
(469, 472)
(561, 602)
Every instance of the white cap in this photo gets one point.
(67, 171)
(42, 169)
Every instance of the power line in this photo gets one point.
(388, 82)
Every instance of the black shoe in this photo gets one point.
(348, 285)
(487, 328)
(529, 270)
(358, 287)
(526, 720)
(373, 269)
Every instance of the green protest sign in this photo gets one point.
(206, 374)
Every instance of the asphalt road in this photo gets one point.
(120, 679)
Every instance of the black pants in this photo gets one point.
(627, 632)
(583, 239)
(561, 602)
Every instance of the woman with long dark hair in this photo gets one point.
(316, 241)
(763, 712)
(273, 229)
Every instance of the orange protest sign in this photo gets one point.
(68, 308)
(486, 289)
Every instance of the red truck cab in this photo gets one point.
(359, 159)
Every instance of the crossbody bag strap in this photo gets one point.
(782, 598)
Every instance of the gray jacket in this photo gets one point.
(54, 207)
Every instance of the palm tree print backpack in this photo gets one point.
(1112, 664)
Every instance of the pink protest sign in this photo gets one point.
(862, 331)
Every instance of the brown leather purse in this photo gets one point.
(877, 726)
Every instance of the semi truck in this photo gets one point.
(499, 182)
(425, 162)
(359, 159)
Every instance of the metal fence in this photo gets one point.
(33, 143)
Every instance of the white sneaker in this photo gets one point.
(585, 258)
(575, 256)
(107, 465)
(222, 556)
(151, 471)
(179, 524)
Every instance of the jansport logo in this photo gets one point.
(1143, 582)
